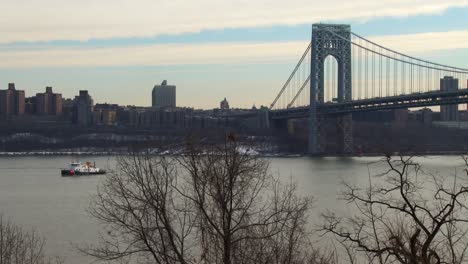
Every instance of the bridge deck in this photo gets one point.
(375, 104)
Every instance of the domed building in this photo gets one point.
(224, 104)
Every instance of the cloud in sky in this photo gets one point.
(46, 20)
(212, 53)
(153, 55)
(425, 42)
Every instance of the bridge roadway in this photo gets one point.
(374, 104)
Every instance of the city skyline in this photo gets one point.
(245, 61)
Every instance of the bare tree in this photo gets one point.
(214, 204)
(406, 217)
(20, 246)
(245, 214)
(140, 213)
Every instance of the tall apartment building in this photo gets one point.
(12, 101)
(84, 108)
(164, 95)
(49, 103)
(449, 112)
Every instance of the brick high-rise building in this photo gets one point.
(12, 101)
(49, 103)
(449, 112)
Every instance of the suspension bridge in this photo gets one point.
(341, 72)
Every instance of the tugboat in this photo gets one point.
(77, 168)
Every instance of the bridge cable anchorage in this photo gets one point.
(291, 76)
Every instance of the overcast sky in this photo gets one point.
(243, 50)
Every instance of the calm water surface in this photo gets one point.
(33, 194)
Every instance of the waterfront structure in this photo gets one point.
(449, 112)
(12, 101)
(84, 108)
(49, 103)
(164, 95)
(224, 104)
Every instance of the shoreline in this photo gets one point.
(266, 155)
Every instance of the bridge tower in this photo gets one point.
(330, 40)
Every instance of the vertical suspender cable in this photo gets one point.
(359, 71)
(420, 79)
(380, 74)
(354, 71)
(431, 78)
(418, 68)
(403, 78)
(367, 72)
(387, 78)
(427, 77)
(395, 75)
(373, 74)
(411, 77)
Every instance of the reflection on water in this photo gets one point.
(32, 192)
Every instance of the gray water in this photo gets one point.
(33, 194)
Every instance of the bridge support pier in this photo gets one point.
(345, 133)
(313, 147)
(317, 134)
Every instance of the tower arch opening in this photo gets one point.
(330, 80)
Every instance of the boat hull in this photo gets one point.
(79, 173)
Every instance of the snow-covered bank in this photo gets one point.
(264, 151)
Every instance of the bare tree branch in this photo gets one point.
(399, 221)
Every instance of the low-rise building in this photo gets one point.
(105, 114)
(155, 117)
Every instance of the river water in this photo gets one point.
(33, 194)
